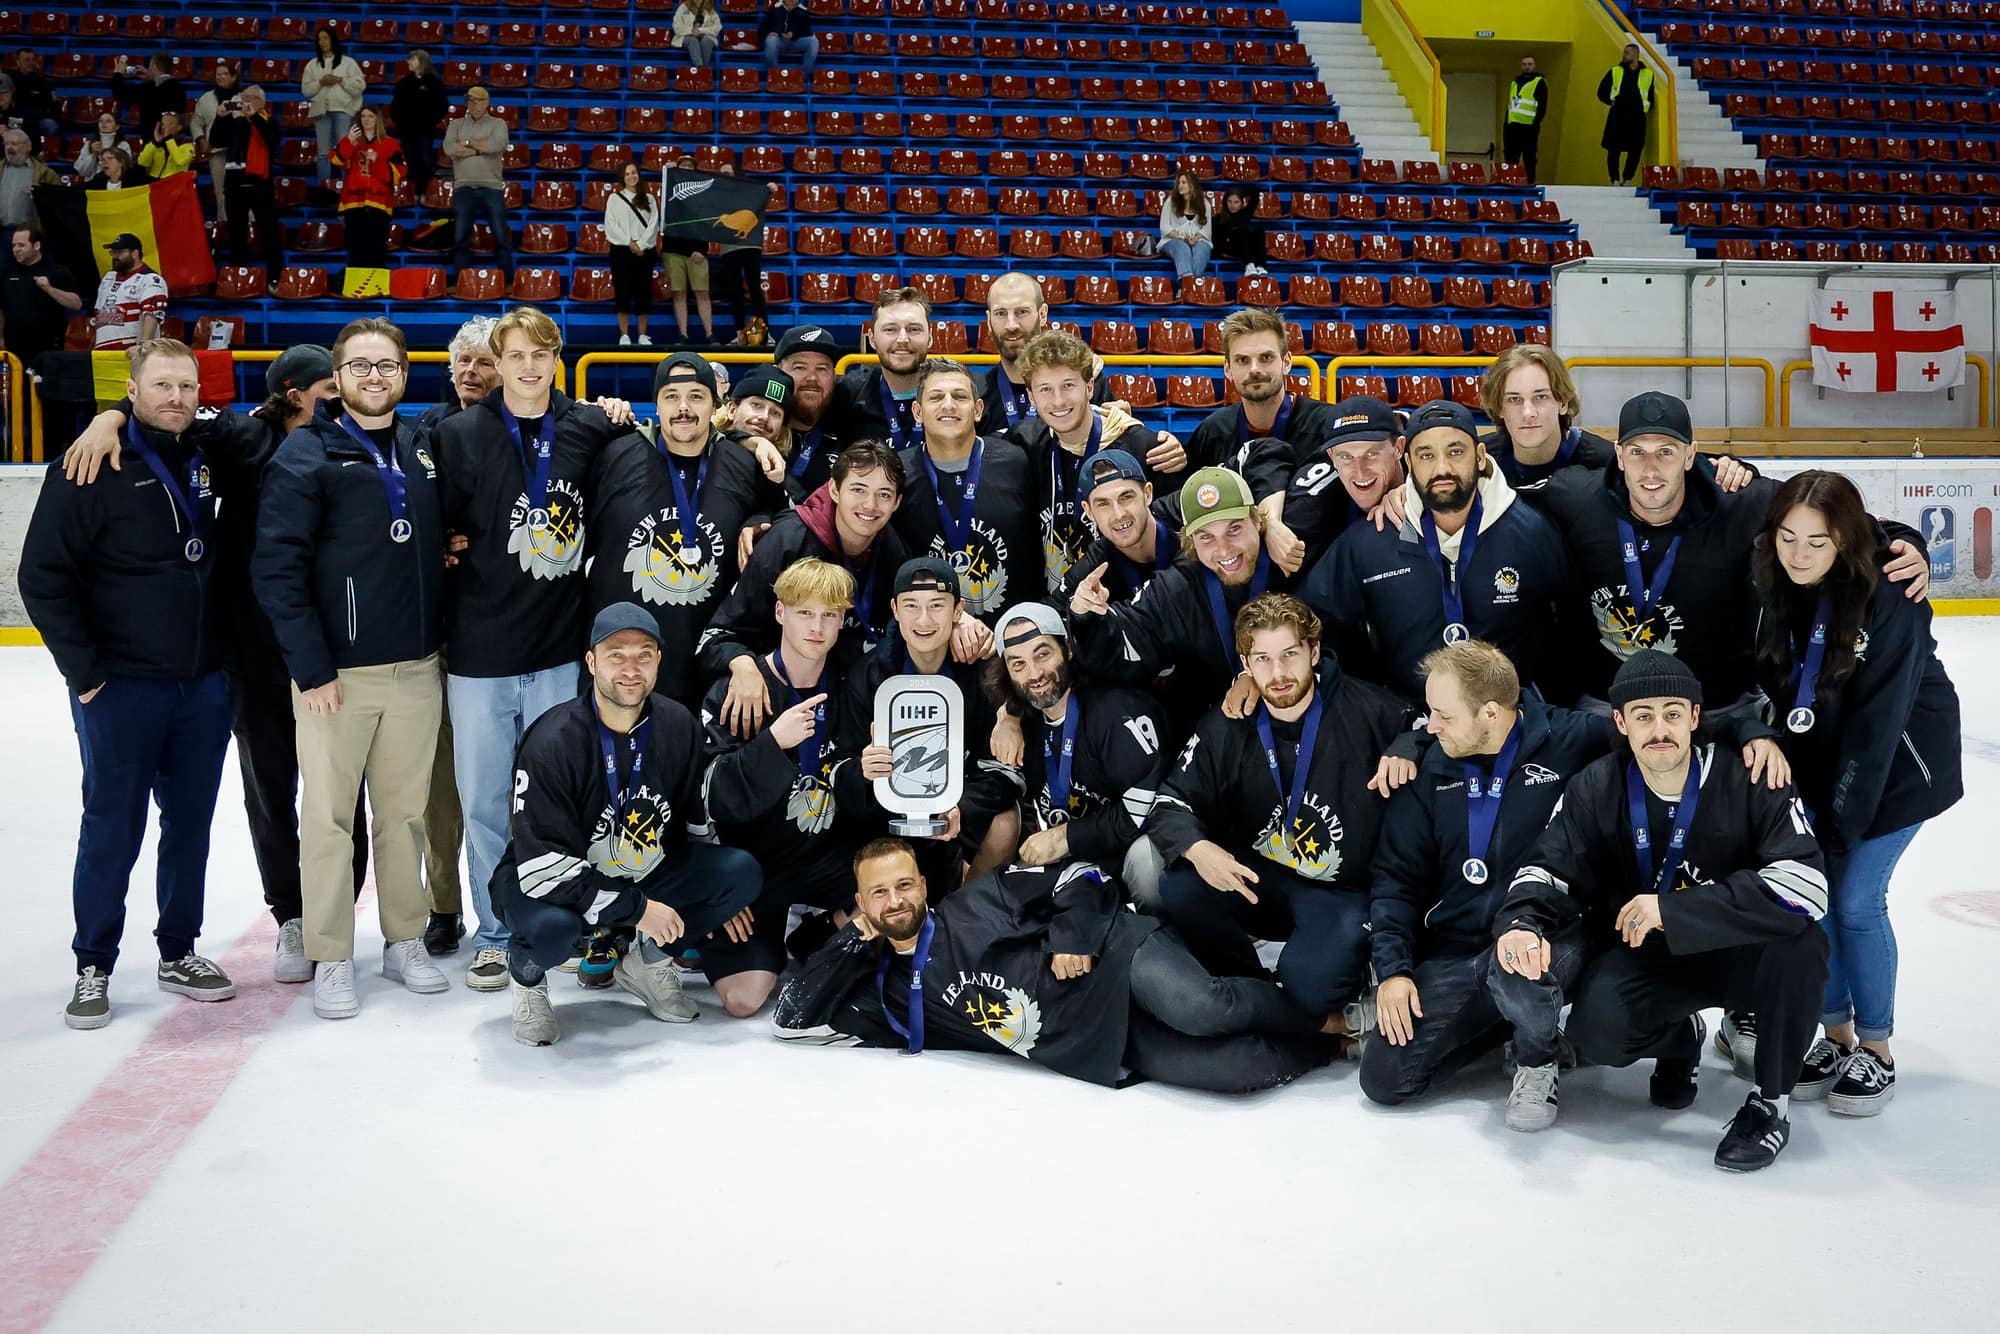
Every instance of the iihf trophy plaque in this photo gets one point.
(921, 719)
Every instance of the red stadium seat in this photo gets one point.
(1170, 338)
(1192, 391)
(301, 282)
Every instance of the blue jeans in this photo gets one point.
(469, 203)
(1190, 260)
(328, 130)
(158, 740)
(1861, 970)
(488, 716)
(776, 46)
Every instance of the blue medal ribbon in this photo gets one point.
(957, 524)
(1278, 425)
(1448, 574)
(1013, 400)
(395, 486)
(1219, 609)
(1135, 575)
(1645, 595)
(620, 789)
(901, 415)
(1071, 487)
(1482, 807)
(186, 496)
(810, 748)
(1301, 763)
(1805, 679)
(1057, 764)
(914, 1034)
(535, 461)
(1662, 881)
(687, 510)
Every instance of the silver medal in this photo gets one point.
(1800, 720)
(1455, 633)
(194, 549)
(399, 530)
(1474, 871)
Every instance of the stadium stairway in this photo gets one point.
(1370, 101)
(1618, 222)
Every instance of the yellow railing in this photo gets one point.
(1792, 368)
(1677, 363)
(18, 389)
(1315, 380)
(1667, 94)
(1411, 63)
(1340, 363)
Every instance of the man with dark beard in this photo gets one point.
(807, 353)
(1468, 562)
(1040, 962)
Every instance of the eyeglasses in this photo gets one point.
(388, 370)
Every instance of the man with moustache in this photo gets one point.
(1256, 361)
(968, 498)
(131, 300)
(663, 504)
(1468, 563)
(879, 402)
(1040, 962)
(1268, 822)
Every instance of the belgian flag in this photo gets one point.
(165, 214)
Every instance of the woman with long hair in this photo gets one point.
(1239, 232)
(632, 227)
(1184, 226)
(333, 85)
(416, 109)
(1870, 723)
(372, 166)
(697, 28)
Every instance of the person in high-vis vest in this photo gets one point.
(1527, 103)
(1627, 88)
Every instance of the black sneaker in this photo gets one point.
(1865, 1085)
(1754, 1137)
(1737, 1041)
(1824, 1064)
(1673, 1083)
(196, 978)
(442, 933)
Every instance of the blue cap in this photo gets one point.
(620, 616)
(1109, 465)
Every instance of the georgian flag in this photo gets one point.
(1887, 342)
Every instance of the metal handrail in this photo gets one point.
(1792, 368)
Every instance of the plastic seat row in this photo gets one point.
(1866, 148)
(1824, 38)
(1869, 252)
(1927, 11)
(1086, 243)
(1308, 291)
(1859, 109)
(1822, 180)
(1755, 70)
(1794, 216)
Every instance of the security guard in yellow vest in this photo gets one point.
(1527, 103)
(1627, 88)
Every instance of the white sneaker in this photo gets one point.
(1532, 1104)
(333, 990)
(657, 984)
(408, 962)
(534, 1017)
(1360, 1015)
(624, 340)
(645, 340)
(488, 971)
(291, 963)
(1255, 271)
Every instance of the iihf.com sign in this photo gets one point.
(923, 718)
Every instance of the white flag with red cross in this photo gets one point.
(1887, 342)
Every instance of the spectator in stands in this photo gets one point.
(245, 140)
(37, 297)
(20, 173)
(371, 165)
(153, 89)
(132, 299)
(632, 228)
(697, 28)
(1184, 227)
(226, 88)
(687, 270)
(1627, 88)
(419, 106)
(1239, 232)
(739, 274)
(34, 98)
(788, 27)
(116, 170)
(476, 143)
(169, 151)
(89, 158)
(1527, 104)
(333, 86)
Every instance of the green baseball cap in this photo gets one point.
(1213, 495)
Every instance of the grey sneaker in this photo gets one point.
(291, 963)
(1360, 1014)
(534, 1017)
(333, 990)
(196, 978)
(1737, 1040)
(1532, 1104)
(407, 961)
(90, 1004)
(657, 984)
(488, 971)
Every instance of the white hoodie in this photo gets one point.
(1495, 499)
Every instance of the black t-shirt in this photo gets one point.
(35, 323)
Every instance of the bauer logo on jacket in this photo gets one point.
(548, 541)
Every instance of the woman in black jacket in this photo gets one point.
(1239, 232)
(1871, 727)
(417, 108)
(117, 171)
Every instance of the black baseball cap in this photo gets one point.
(1655, 413)
(125, 241)
(1361, 419)
(763, 382)
(621, 616)
(298, 368)
(807, 338)
(927, 574)
(1107, 466)
(1442, 412)
(683, 368)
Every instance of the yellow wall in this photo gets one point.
(1574, 42)
(1394, 30)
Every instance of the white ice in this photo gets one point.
(415, 1169)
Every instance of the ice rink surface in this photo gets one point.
(247, 1166)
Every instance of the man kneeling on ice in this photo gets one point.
(1043, 962)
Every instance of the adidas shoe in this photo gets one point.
(534, 1017)
(1737, 1041)
(90, 1004)
(1754, 1138)
(1824, 1064)
(1865, 1085)
(196, 978)
(290, 964)
(1673, 1083)
(1532, 1104)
